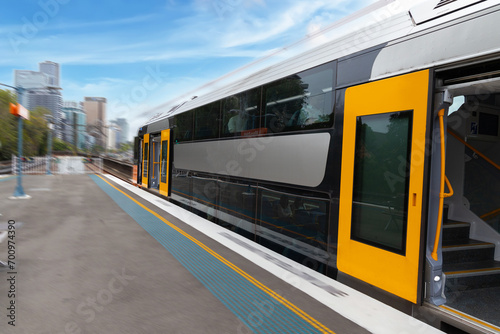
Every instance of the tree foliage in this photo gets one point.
(124, 147)
(35, 130)
(8, 126)
(62, 146)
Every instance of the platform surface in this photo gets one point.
(94, 255)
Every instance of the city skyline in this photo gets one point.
(80, 123)
(142, 55)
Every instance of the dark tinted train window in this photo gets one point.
(300, 101)
(205, 193)
(183, 130)
(241, 113)
(237, 201)
(381, 180)
(206, 121)
(164, 156)
(146, 156)
(296, 217)
(181, 186)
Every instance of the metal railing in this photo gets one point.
(58, 165)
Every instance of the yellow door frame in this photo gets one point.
(145, 160)
(165, 162)
(392, 272)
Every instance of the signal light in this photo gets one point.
(14, 109)
(19, 111)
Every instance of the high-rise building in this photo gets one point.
(29, 80)
(52, 71)
(95, 109)
(122, 136)
(41, 89)
(74, 122)
(112, 134)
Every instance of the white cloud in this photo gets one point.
(245, 29)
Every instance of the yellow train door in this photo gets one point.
(145, 160)
(165, 162)
(381, 193)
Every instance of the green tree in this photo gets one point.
(124, 147)
(61, 146)
(35, 133)
(8, 126)
(35, 130)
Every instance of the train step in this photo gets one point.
(468, 263)
(453, 230)
(463, 251)
(472, 275)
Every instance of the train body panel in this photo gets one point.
(261, 158)
(343, 159)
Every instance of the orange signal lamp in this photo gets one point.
(14, 109)
(19, 111)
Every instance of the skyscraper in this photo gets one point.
(75, 122)
(124, 128)
(51, 69)
(41, 89)
(95, 108)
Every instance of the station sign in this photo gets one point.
(19, 111)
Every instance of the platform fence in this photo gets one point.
(58, 165)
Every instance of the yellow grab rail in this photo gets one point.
(444, 179)
(491, 214)
(488, 160)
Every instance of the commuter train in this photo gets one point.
(373, 159)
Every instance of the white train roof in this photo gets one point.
(383, 39)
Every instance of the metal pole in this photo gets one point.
(49, 150)
(19, 192)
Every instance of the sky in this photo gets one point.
(144, 54)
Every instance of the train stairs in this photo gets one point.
(468, 263)
(472, 274)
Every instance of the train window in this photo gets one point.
(182, 187)
(296, 217)
(381, 180)
(183, 130)
(237, 201)
(146, 155)
(241, 113)
(164, 156)
(205, 193)
(206, 121)
(300, 101)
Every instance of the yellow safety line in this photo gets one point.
(313, 322)
(485, 324)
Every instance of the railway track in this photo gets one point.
(120, 169)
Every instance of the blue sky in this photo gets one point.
(141, 54)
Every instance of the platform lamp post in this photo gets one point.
(49, 143)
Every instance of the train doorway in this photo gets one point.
(154, 180)
(165, 166)
(137, 173)
(145, 160)
(468, 247)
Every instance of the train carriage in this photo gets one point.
(372, 159)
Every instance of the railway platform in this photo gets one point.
(92, 254)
